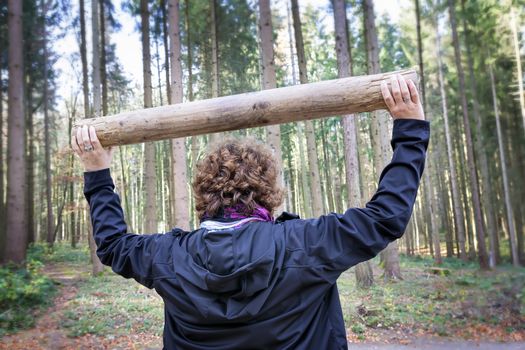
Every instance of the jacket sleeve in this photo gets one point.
(335, 242)
(129, 255)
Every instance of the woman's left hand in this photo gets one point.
(93, 156)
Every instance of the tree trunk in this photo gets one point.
(97, 265)
(194, 140)
(103, 69)
(16, 226)
(149, 148)
(166, 48)
(273, 132)
(328, 179)
(189, 50)
(485, 186)
(517, 56)
(307, 201)
(30, 162)
(380, 133)
(429, 194)
(2, 184)
(71, 191)
(459, 220)
(315, 180)
(83, 56)
(363, 271)
(49, 201)
(471, 162)
(181, 197)
(420, 56)
(273, 106)
(506, 192)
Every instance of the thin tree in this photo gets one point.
(83, 57)
(273, 132)
(181, 198)
(363, 271)
(456, 203)
(16, 226)
(47, 141)
(429, 193)
(311, 148)
(485, 185)
(420, 55)
(30, 157)
(517, 56)
(95, 37)
(471, 162)
(299, 127)
(379, 129)
(72, 111)
(103, 68)
(506, 192)
(215, 80)
(150, 187)
(2, 183)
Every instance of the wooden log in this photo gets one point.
(275, 106)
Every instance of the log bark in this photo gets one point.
(262, 108)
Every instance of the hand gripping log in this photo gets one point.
(261, 108)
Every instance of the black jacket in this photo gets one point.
(265, 285)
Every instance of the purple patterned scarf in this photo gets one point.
(238, 214)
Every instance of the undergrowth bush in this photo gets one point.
(23, 291)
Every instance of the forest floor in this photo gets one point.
(460, 307)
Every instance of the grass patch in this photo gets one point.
(61, 252)
(112, 305)
(434, 303)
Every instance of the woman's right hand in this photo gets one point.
(402, 98)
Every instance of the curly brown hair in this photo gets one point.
(237, 172)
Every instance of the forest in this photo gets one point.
(458, 270)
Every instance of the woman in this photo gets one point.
(244, 280)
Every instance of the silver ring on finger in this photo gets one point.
(88, 148)
(406, 99)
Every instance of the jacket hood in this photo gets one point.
(228, 273)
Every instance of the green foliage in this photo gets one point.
(22, 292)
(391, 55)
(26, 291)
